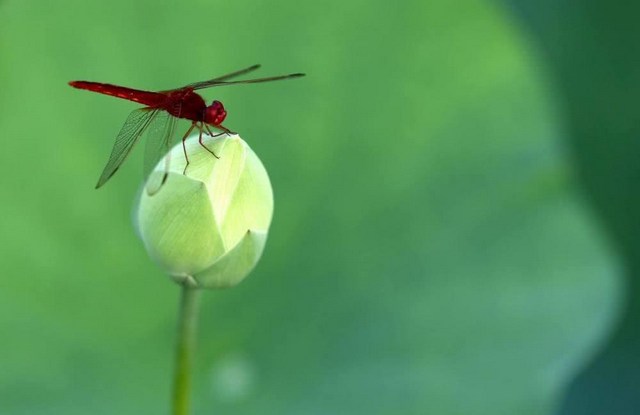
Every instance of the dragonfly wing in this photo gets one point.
(218, 82)
(134, 126)
(199, 85)
(159, 141)
(204, 84)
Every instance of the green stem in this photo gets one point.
(185, 347)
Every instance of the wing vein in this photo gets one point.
(134, 126)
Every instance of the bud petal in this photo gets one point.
(209, 226)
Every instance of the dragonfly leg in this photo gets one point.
(211, 132)
(202, 144)
(184, 147)
(225, 130)
(206, 126)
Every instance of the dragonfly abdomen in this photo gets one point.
(150, 99)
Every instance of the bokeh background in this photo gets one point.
(456, 227)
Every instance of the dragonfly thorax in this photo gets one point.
(215, 113)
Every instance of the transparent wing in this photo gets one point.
(198, 85)
(218, 82)
(204, 84)
(134, 126)
(159, 141)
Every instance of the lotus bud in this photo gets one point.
(207, 225)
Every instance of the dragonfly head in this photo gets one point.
(214, 114)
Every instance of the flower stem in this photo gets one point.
(185, 347)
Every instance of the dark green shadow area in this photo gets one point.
(593, 54)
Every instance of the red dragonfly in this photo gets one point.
(160, 114)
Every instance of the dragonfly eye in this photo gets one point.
(215, 113)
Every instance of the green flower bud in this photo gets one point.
(208, 226)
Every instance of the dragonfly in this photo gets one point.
(159, 117)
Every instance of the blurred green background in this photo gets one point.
(455, 229)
